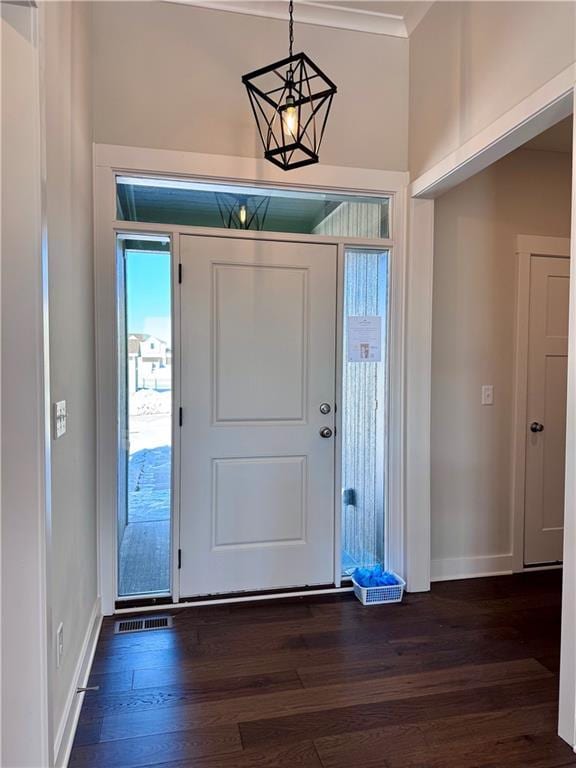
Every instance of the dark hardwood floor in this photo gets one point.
(463, 677)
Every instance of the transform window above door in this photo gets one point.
(226, 206)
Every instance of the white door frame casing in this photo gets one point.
(417, 410)
(542, 109)
(112, 160)
(526, 246)
(567, 712)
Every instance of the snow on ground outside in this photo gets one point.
(150, 456)
(145, 546)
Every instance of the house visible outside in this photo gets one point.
(149, 363)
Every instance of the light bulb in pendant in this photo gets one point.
(242, 214)
(290, 117)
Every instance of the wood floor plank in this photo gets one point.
(243, 614)
(367, 668)
(155, 640)
(303, 755)
(248, 661)
(525, 751)
(192, 692)
(107, 664)
(88, 733)
(318, 667)
(190, 745)
(406, 741)
(469, 639)
(112, 683)
(361, 717)
(183, 656)
(261, 663)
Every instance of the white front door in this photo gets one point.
(257, 362)
(546, 413)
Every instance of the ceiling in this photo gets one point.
(398, 19)
(555, 139)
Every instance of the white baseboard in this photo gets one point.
(69, 722)
(452, 568)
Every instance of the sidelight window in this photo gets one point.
(145, 413)
(364, 407)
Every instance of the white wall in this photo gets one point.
(470, 62)
(71, 316)
(48, 524)
(23, 662)
(476, 224)
(169, 76)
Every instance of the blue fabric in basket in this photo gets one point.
(374, 577)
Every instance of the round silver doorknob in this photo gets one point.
(325, 408)
(326, 432)
(536, 427)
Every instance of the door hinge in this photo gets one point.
(179, 558)
(180, 416)
(179, 273)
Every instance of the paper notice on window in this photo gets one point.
(365, 339)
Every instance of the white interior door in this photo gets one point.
(258, 360)
(546, 413)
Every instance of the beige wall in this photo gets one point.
(71, 304)
(476, 223)
(169, 76)
(470, 62)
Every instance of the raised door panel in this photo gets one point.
(260, 322)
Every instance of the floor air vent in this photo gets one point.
(142, 625)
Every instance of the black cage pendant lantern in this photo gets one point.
(291, 100)
(238, 212)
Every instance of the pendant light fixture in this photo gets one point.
(242, 212)
(291, 100)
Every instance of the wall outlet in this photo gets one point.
(487, 394)
(59, 418)
(59, 645)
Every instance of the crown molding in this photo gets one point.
(323, 14)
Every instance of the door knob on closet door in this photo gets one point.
(536, 427)
(326, 432)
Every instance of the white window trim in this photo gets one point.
(110, 160)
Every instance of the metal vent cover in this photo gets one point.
(123, 626)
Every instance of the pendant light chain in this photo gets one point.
(291, 26)
(290, 100)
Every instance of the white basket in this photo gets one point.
(391, 593)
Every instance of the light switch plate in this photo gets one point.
(487, 394)
(59, 418)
